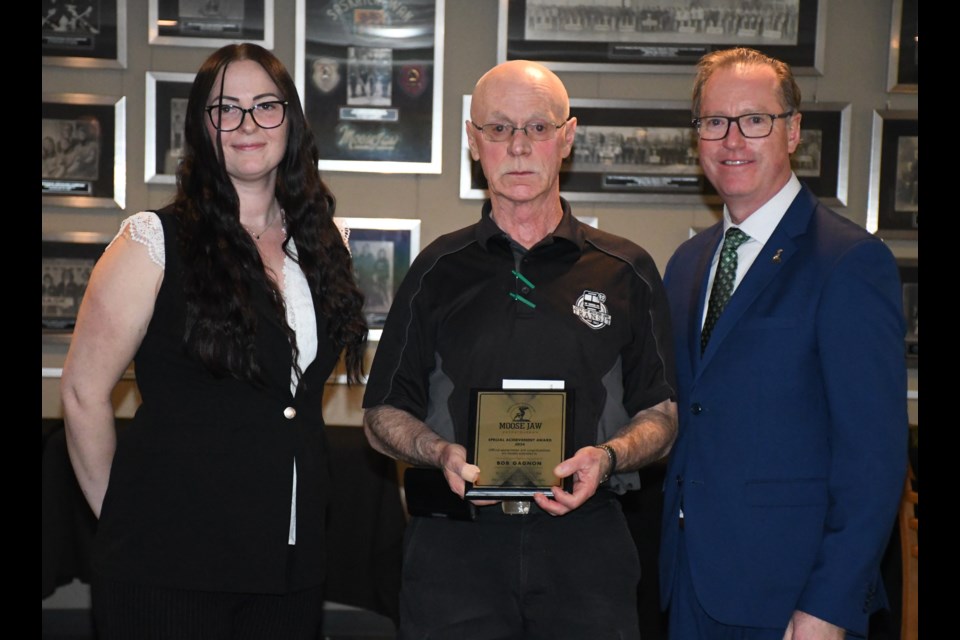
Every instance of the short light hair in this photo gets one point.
(745, 57)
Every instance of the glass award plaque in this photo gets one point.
(517, 438)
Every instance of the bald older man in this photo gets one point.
(527, 293)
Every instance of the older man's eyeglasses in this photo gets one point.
(229, 117)
(501, 131)
(751, 125)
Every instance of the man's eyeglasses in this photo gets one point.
(229, 117)
(536, 131)
(752, 125)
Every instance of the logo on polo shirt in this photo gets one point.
(591, 309)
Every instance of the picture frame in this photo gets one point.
(166, 106)
(657, 36)
(903, 68)
(822, 159)
(909, 280)
(383, 250)
(66, 260)
(87, 34)
(371, 81)
(83, 150)
(645, 151)
(893, 202)
(206, 23)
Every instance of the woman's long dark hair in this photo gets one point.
(221, 265)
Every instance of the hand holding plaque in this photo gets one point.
(517, 438)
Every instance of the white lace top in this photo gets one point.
(146, 229)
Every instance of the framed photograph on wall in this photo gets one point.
(382, 249)
(371, 78)
(822, 159)
(903, 69)
(909, 280)
(666, 36)
(893, 204)
(84, 33)
(66, 260)
(646, 151)
(83, 150)
(167, 95)
(210, 23)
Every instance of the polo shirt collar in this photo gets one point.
(569, 229)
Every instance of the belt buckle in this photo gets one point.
(515, 507)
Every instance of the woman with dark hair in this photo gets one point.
(235, 303)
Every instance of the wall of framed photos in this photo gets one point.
(853, 68)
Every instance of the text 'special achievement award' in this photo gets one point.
(517, 438)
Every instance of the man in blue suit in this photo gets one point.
(783, 484)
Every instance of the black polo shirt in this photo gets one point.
(595, 317)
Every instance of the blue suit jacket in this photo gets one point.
(793, 424)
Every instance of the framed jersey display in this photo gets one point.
(371, 77)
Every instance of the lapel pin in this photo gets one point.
(776, 257)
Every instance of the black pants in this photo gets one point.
(534, 576)
(125, 611)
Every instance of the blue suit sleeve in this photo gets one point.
(860, 335)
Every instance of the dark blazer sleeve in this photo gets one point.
(860, 330)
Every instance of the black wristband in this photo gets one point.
(612, 455)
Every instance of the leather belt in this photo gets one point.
(515, 507)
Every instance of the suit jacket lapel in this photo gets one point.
(776, 253)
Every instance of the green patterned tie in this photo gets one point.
(722, 282)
